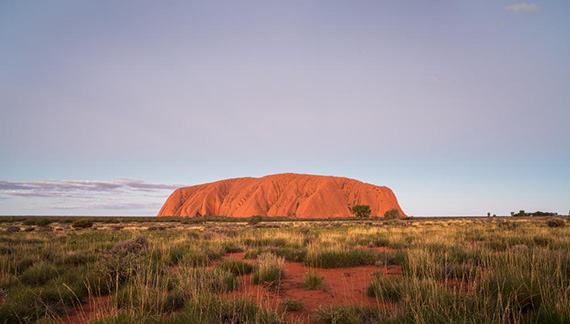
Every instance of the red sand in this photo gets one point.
(90, 310)
(288, 194)
(342, 286)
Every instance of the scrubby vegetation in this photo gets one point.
(361, 211)
(236, 267)
(270, 269)
(495, 270)
(392, 213)
(313, 280)
(82, 223)
(292, 305)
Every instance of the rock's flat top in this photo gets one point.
(288, 194)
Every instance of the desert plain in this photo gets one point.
(277, 270)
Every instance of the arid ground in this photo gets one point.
(140, 270)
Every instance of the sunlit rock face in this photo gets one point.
(288, 194)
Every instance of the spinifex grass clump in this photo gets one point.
(208, 308)
(270, 269)
(337, 256)
(387, 288)
(293, 254)
(313, 280)
(291, 305)
(236, 267)
(351, 314)
(385, 258)
(38, 274)
(453, 271)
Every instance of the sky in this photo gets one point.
(460, 107)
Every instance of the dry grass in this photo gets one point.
(453, 271)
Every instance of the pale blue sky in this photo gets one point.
(461, 107)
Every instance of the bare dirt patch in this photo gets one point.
(341, 286)
(94, 307)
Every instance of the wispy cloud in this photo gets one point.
(76, 188)
(108, 206)
(25, 193)
(523, 7)
(434, 79)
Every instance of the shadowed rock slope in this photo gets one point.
(288, 194)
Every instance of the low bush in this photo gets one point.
(38, 221)
(125, 259)
(254, 220)
(392, 214)
(556, 222)
(82, 223)
(134, 245)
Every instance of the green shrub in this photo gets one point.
(392, 214)
(135, 245)
(361, 211)
(121, 267)
(556, 222)
(82, 223)
(254, 220)
(38, 221)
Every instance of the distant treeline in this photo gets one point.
(46, 220)
(522, 213)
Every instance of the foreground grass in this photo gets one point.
(453, 271)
